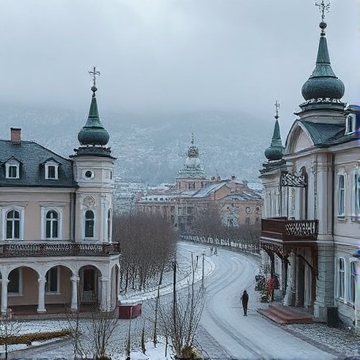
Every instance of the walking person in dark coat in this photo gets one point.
(245, 299)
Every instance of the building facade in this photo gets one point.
(194, 193)
(311, 215)
(56, 222)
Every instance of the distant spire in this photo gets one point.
(323, 83)
(275, 150)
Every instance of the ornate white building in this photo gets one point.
(56, 222)
(311, 217)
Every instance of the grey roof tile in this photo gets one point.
(32, 173)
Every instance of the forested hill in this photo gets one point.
(152, 147)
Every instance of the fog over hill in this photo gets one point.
(152, 147)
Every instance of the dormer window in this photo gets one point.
(12, 169)
(51, 170)
(350, 124)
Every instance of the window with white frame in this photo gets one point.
(89, 223)
(12, 169)
(51, 170)
(52, 277)
(341, 195)
(357, 193)
(350, 124)
(52, 225)
(15, 282)
(341, 278)
(352, 282)
(13, 225)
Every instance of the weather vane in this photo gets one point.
(94, 74)
(277, 107)
(323, 8)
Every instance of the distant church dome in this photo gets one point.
(192, 167)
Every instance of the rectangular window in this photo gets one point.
(13, 171)
(352, 283)
(14, 282)
(341, 195)
(51, 172)
(357, 194)
(52, 280)
(341, 283)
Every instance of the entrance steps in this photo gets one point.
(286, 314)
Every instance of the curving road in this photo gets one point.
(224, 332)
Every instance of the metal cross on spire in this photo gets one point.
(277, 107)
(94, 74)
(323, 8)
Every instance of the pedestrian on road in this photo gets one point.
(245, 299)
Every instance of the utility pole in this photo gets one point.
(174, 295)
(203, 269)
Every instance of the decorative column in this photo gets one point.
(41, 300)
(105, 296)
(289, 298)
(74, 293)
(4, 292)
(326, 248)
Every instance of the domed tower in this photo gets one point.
(192, 176)
(93, 171)
(323, 90)
(275, 151)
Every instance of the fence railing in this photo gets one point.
(289, 230)
(26, 249)
(248, 246)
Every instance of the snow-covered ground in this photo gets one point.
(223, 332)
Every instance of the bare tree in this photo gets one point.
(148, 243)
(9, 328)
(101, 327)
(180, 318)
(208, 222)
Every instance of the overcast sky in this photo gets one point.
(173, 54)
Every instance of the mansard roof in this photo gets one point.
(32, 157)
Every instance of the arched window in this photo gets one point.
(89, 223)
(13, 225)
(52, 225)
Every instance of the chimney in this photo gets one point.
(15, 135)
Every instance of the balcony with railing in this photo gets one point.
(281, 229)
(12, 249)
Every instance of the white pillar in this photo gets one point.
(290, 287)
(41, 300)
(4, 292)
(74, 293)
(105, 295)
